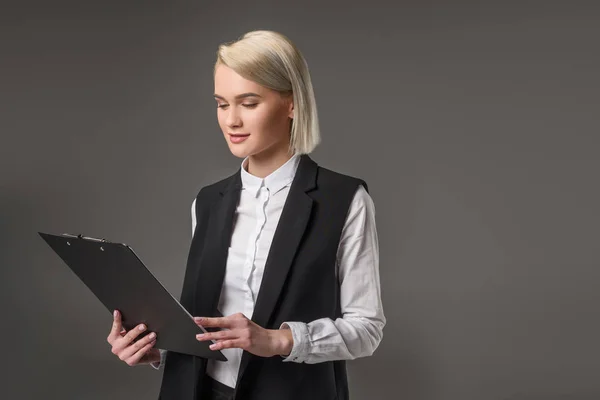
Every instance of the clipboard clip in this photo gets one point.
(80, 236)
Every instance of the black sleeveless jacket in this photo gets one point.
(299, 284)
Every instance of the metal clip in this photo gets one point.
(80, 236)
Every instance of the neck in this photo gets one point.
(262, 165)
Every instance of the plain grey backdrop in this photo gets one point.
(474, 124)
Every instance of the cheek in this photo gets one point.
(266, 122)
(256, 118)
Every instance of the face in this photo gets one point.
(254, 119)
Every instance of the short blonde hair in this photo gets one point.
(271, 59)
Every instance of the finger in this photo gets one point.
(220, 335)
(135, 358)
(217, 322)
(228, 344)
(133, 348)
(116, 326)
(133, 333)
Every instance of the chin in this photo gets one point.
(239, 151)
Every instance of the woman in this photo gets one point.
(285, 249)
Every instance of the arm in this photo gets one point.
(360, 330)
(163, 353)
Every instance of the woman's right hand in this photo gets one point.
(124, 347)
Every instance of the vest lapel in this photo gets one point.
(218, 238)
(290, 229)
(182, 371)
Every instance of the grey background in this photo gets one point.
(475, 125)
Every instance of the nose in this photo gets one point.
(233, 118)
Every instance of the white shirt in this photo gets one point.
(358, 332)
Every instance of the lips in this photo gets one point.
(238, 137)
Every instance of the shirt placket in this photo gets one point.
(261, 218)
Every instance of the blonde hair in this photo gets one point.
(272, 60)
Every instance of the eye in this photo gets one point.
(250, 105)
(222, 105)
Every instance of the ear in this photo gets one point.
(291, 107)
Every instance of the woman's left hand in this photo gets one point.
(240, 332)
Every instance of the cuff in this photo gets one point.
(158, 365)
(300, 347)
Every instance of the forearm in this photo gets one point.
(328, 340)
(283, 341)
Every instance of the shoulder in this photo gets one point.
(219, 186)
(215, 188)
(335, 180)
(362, 198)
(361, 213)
(355, 188)
(212, 191)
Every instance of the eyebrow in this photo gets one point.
(240, 96)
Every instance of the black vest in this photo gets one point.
(299, 284)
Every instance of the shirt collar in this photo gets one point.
(277, 180)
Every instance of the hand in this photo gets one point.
(244, 334)
(140, 352)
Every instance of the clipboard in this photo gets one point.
(120, 280)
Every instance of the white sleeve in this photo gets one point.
(193, 216)
(163, 353)
(360, 330)
(159, 365)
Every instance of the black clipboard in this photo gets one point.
(120, 280)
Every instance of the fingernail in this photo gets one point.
(213, 346)
(197, 319)
(142, 327)
(199, 336)
(152, 335)
(116, 313)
